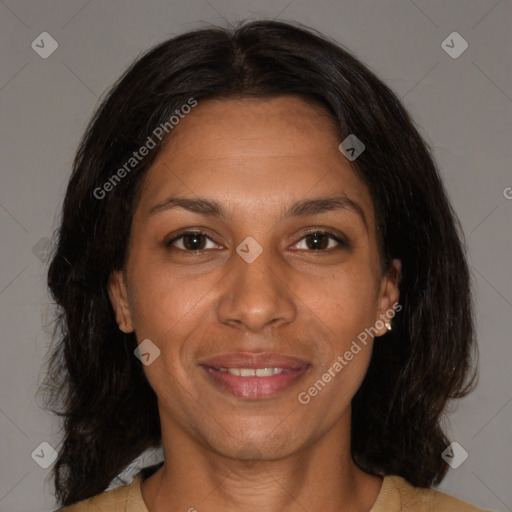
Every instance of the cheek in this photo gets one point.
(160, 297)
(171, 309)
(345, 301)
(346, 304)
(164, 310)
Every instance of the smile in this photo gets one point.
(254, 383)
(252, 372)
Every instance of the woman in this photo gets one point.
(259, 270)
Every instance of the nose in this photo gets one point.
(257, 294)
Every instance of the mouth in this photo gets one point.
(254, 376)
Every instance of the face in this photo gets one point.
(258, 274)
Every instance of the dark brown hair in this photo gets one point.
(94, 381)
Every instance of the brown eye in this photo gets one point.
(315, 241)
(319, 241)
(191, 241)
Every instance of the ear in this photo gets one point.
(388, 297)
(119, 299)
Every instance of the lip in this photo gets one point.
(254, 360)
(254, 388)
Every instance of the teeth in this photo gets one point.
(267, 372)
(252, 372)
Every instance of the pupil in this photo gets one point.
(315, 237)
(194, 244)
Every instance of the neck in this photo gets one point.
(320, 477)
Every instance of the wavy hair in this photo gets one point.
(95, 383)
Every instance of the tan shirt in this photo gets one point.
(396, 495)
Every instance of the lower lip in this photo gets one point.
(255, 387)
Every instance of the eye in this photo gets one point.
(318, 240)
(315, 240)
(191, 241)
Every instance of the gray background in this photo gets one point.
(462, 105)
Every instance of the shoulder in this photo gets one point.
(120, 499)
(398, 495)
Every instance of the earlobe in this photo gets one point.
(119, 300)
(389, 297)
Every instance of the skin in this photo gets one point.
(256, 157)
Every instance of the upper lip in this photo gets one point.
(254, 360)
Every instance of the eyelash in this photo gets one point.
(341, 242)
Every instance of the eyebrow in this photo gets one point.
(302, 208)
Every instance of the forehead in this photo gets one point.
(254, 153)
(247, 127)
